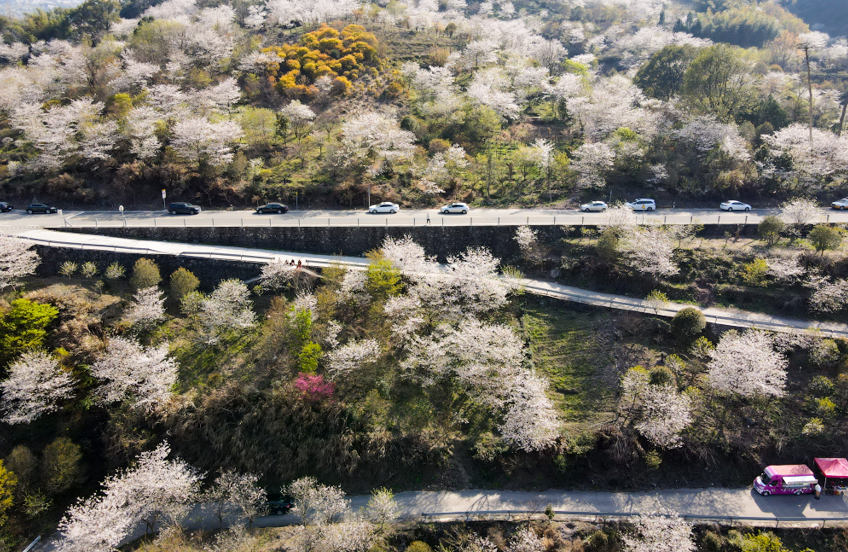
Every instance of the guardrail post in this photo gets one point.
(828, 219)
(746, 220)
(269, 222)
(554, 220)
(471, 221)
(387, 222)
(665, 219)
(582, 221)
(328, 221)
(95, 223)
(357, 221)
(125, 223)
(691, 218)
(443, 221)
(154, 222)
(242, 222)
(528, 221)
(499, 221)
(413, 222)
(298, 222)
(185, 224)
(718, 222)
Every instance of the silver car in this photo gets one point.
(842, 204)
(595, 206)
(385, 207)
(734, 205)
(460, 208)
(642, 204)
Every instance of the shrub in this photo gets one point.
(756, 272)
(309, 356)
(653, 460)
(825, 407)
(488, 447)
(36, 504)
(702, 348)
(191, 303)
(712, 542)
(419, 546)
(549, 512)
(763, 542)
(688, 324)
(661, 375)
(68, 268)
(8, 482)
(824, 353)
(770, 228)
(814, 427)
(22, 462)
(145, 274)
(825, 238)
(60, 466)
(183, 282)
(383, 279)
(24, 327)
(821, 385)
(114, 271)
(88, 270)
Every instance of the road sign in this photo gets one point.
(164, 195)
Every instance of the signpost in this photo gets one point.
(164, 195)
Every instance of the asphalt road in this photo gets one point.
(476, 217)
(722, 505)
(725, 317)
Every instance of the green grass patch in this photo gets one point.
(562, 347)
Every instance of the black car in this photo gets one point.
(5, 207)
(183, 209)
(279, 505)
(40, 208)
(273, 208)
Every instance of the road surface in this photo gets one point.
(726, 506)
(725, 317)
(476, 217)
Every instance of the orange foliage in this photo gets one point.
(323, 52)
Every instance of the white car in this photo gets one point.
(842, 204)
(385, 207)
(734, 205)
(461, 208)
(642, 204)
(596, 206)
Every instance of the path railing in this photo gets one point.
(378, 221)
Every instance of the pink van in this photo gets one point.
(791, 479)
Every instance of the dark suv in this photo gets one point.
(183, 209)
(279, 505)
(5, 207)
(40, 208)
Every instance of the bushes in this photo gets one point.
(24, 327)
(825, 238)
(145, 274)
(60, 467)
(183, 282)
(688, 324)
(770, 228)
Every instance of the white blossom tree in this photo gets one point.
(237, 494)
(531, 422)
(665, 413)
(352, 356)
(799, 212)
(827, 295)
(228, 308)
(746, 364)
(146, 308)
(17, 259)
(144, 375)
(152, 491)
(649, 250)
(526, 540)
(375, 135)
(592, 161)
(196, 139)
(660, 532)
(299, 117)
(277, 275)
(34, 387)
(382, 506)
(315, 503)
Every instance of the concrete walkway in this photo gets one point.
(725, 317)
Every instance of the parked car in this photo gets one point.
(273, 208)
(842, 204)
(642, 204)
(595, 206)
(385, 207)
(5, 207)
(279, 505)
(183, 209)
(734, 205)
(789, 479)
(461, 208)
(40, 208)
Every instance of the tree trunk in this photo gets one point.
(842, 118)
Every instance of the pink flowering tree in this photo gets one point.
(314, 388)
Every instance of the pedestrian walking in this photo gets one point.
(298, 264)
(817, 488)
(428, 218)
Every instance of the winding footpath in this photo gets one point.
(724, 317)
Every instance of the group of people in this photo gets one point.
(291, 263)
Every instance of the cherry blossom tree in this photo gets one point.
(827, 295)
(531, 422)
(299, 117)
(621, 218)
(799, 212)
(377, 135)
(227, 308)
(17, 259)
(352, 356)
(706, 133)
(814, 162)
(592, 161)
(649, 250)
(277, 275)
(660, 532)
(665, 413)
(525, 540)
(153, 490)
(196, 139)
(147, 308)
(144, 375)
(315, 503)
(34, 387)
(382, 506)
(237, 494)
(747, 364)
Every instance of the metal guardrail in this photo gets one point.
(602, 517)
(375, 221)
